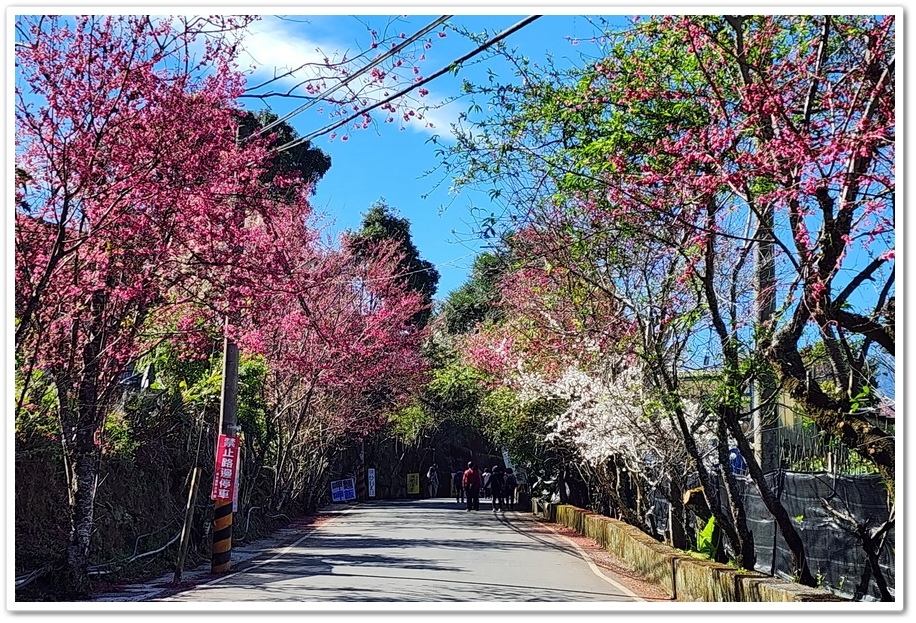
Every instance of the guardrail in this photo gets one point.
(685, 577)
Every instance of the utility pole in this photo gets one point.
(221, 553)
(228, 417)
(762, 405)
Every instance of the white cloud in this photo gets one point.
(441, 118)
(274, 47)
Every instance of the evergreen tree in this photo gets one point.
(308, 161)
(382, 223)
(476, 300)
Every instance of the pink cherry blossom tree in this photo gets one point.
(137, 200)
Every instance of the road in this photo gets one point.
(418, 551)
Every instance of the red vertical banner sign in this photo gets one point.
(225, 471)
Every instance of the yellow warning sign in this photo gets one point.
(413, 483)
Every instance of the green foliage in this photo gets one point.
(117, 437)
(519, 427)
(411, 422)
(202, 390)
(706, 543)
(304, 159)
(381, 223)
(457, 388)
(252, 407)
(197, 385)
(860, 399)
(38, 415)
(477, 300)
(172, 371)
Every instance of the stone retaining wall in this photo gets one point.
(685, 577)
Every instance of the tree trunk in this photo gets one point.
(81, 456)
(83, 485)
(622, 510)
(744, 552)
(82, 415)
(783, 521)
(710, 492)
(676, 516)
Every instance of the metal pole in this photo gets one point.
(186, 529)
(222, 510)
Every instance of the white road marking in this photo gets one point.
(279, 555)
(582, 553)
(595, 568)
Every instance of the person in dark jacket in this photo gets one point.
(497, 488)
(459, 487)
(510, 487)
(472, 483)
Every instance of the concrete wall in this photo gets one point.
(685, 577)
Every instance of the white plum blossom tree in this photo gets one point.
(617, 422)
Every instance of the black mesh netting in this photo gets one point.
(835, 555)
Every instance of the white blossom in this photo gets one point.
(614, 417)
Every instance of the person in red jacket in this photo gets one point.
(472, 482)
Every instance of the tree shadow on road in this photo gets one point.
(334, 564)
(305, 578)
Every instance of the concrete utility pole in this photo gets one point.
(221, 553)
(764, 418)
(222, 510)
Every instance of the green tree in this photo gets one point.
(381, 223)
(303, 159)
(475, 301)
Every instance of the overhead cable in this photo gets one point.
(378, 60)
(419, 83)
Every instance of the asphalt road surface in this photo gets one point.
(418, 551)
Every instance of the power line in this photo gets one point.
(380, 59)
(447, 68)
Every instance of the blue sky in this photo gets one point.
(389, 163)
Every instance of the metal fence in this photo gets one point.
(803, 447)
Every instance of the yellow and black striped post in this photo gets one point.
(222, 536)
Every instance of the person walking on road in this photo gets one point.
(472, 482)
(432, 476)
(511, 486)
(486, 482)
(497, 488)
(459, 487)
